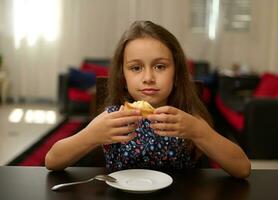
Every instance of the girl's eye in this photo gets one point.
(159, 67)
(136, 68)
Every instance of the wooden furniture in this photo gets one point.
(27, 183)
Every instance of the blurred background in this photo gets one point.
(53, 51)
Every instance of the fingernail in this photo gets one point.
(133, 134)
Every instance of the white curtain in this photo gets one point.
(31, 47)
(86, 28)
(273, 42)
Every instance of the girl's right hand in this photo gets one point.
(114, 127)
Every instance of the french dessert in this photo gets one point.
(143, 106)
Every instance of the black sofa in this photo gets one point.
(258, 134)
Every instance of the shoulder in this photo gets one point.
(112, 108)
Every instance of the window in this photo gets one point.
(204, 16)
(34, 19)
(199, 13)
(237, 15)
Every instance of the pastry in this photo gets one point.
(143, 106)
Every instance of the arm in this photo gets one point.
(174, 122)
(69, 150)
(226, 153)
(106, 128)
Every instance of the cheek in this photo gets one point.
(168, 85)
(168, 81)
(128, 81)
(169, 88)
(131, 83)
(132, 89)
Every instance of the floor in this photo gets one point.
(21, 125)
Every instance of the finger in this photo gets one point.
(163, 126)
(121, 108)
(123, 138)
(166, 109)
(124, 121)
(102, 114)
(123, 130)
(166, 133)
(166, 118)
(123, 113)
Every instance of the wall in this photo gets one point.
(256, 48)
(91, 28)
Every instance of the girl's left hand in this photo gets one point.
(170, 121)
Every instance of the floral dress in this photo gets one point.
(148, 150)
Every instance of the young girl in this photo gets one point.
(149, 64)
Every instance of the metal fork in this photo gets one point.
(98, 177)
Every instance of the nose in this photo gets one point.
(148, 76)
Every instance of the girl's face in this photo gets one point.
(149, 70)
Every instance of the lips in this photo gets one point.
(149, 91)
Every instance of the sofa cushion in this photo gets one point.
(206, 95)
(268, 86)
(80, 79)
(75, 94)
(98, 70)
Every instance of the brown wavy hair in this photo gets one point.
(183, 95)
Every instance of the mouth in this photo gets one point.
(149, 91)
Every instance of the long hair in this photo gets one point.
(183, 95)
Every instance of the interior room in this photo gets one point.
(53, 51)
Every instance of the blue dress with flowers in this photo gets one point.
(148, 150)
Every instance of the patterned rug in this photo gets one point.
(34, 156)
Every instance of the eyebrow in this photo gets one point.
(131, 61)
(155, 60)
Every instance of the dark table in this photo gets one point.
(35, 183)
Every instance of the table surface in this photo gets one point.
(35, 183)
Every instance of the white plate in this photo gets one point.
(140, 180)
